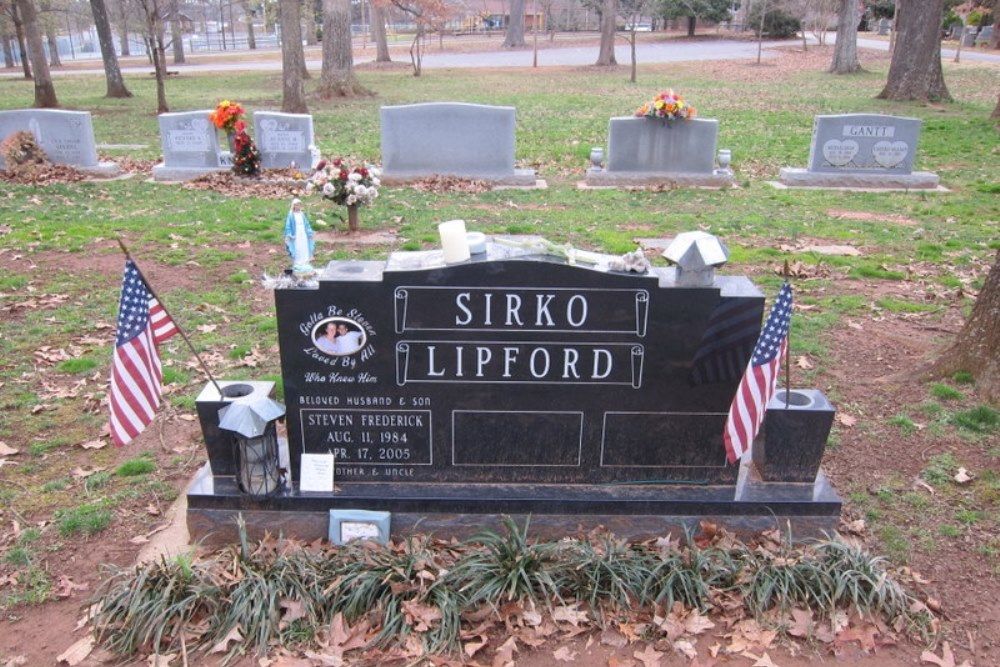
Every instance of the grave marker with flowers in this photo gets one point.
(346, 185)
(662, 143)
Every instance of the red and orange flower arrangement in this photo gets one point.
(668, 106)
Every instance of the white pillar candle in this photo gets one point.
(453, 241)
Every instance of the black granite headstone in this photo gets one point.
(516, 370)
(514, 384)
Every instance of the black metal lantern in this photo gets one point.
(255, 443)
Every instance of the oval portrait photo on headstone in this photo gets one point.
(339, 336)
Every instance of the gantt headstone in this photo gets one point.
(862, 150)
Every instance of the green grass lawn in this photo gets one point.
(59, 335)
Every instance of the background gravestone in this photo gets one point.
(652, 151)
(67, 137)
(862, 151)
(474, 141)
(285, 139)
(190, 147)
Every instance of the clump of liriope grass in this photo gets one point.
(690, 575)
(253, 597)
(152, 606)
(505, 568)
(400, 586)
(607, 573)
(860, 580)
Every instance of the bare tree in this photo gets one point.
(845, 51)
(112, 72)
(424, 13)
(293, 98)
(45, 92)
(47, 22)
(5, 36)
(122, 19)
(632, 11)
(338, 78)
(153, 15)
(377, 18)
(915, 71)
(977, 347)
(176, 33)
(606, 54)
(15, 18)
(515, 27)
(248, 17)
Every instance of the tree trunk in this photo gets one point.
(915, 69)
(123, 28)
(996, 110)
(977, 347)
(248, 16)
(338, 79)
(311, 9)
(416, 55)
(845, 51)
(159, 52)
(631, 43)
(45, 92)
(176, 35)
(293, 98)
(112, 73)
(692, 23)
(8, 55)
(606, 55)
(377, 18)
(15, 15)
(515, 29)
(50, 37)
(995, 37)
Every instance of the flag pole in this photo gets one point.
(163, 305)
(788, 349)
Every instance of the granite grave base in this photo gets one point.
(461, 510)
(794, 177)
(602, 178)
(164, 174)
(521, 178)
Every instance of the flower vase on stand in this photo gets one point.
(352, 217)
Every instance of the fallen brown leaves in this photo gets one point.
(450, 184)
(43, 174)
(272, 184)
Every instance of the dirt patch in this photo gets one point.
(866, 216)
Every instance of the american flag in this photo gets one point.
(761, 377)
(136, 376)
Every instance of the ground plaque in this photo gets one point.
(515, 384)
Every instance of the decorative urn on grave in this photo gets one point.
(794, 436)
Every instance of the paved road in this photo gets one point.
(661, 52)
(947, 55)
(548, 55)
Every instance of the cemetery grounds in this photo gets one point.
(883, 280)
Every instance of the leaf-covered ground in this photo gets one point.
(882, 282)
